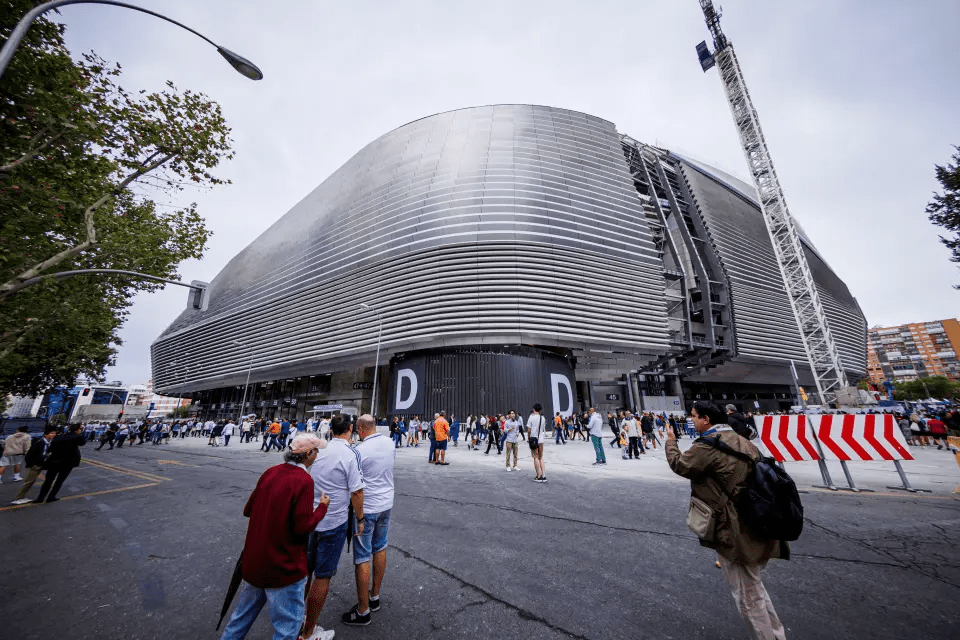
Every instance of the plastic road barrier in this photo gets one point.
(788, 438)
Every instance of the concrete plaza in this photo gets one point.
(145, 540)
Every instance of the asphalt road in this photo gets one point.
(144, 548)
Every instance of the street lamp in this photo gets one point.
(376, 367)
(238, 62)
(243, 404)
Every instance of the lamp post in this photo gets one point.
(243, 403)
(376, 367)
(238, 62)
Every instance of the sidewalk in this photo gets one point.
(933, 470)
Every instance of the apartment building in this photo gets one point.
(915, 350)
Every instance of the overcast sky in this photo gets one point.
(857, 105)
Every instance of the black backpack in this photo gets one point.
(770, 503)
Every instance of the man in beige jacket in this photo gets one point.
(716, 478)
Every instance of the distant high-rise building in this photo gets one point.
(915, 350)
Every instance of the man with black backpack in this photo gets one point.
(722, 468)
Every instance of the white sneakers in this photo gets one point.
(22, 501)
(17, 478)
(320, 633)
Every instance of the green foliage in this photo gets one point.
(82, 161)
(938, 387)
(179, 412)
(944, 209)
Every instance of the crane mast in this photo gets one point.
(797, 278)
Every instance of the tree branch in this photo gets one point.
(12, 286)
(35, 151)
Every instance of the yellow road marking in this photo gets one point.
(85, 495)
(182, 464)
(143, 475)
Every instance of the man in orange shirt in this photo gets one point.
(274, 432)
(441, 429)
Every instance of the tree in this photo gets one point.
(81, 163)
(938, 387)
(944, 209)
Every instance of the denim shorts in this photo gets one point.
(375, 526)
(324, 549)
(441, 445)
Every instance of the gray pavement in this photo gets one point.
(145, 542)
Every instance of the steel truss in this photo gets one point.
(797, 277)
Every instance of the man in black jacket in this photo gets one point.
(739, 423)
(34, 463)
(63, 456)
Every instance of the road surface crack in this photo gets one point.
(523, 613)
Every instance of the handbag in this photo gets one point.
(701, 519)
(914, 427)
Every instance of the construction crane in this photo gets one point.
(797, 278)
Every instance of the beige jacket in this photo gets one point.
(16, 444)
(713, 475)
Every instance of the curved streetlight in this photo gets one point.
(243, 404)
(376, 367)
(238, 62)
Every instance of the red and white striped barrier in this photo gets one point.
(860, 437)
(787, 438)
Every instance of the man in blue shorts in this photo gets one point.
(377, 455)
(337, 473)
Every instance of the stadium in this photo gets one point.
(505, 255)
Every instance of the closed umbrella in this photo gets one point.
(231, 590)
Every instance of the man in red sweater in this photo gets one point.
(274, 566)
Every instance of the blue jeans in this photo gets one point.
(286, 611)
(324, 549)
(374, 536)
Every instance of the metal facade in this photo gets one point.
(506, 224)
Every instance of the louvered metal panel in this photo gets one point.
(763, 320)
(492, 224)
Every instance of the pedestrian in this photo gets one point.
(15, 448)
(107, 437)
(578, 428)
(595, 427)
(227, 432)
(284, 434)
(441, 434)
(283, 510)
(938, 432)
(63, 456)
(336, 473)
(536, 430)
(34, 462)
(715, 479)
(413, 437)
(246, 429)
(560, 429)
(511, 428)
(377, 456)
(122, 434)
(395, 431)
(493, 434)
(646, 426)
(632, 430)
(454, 429)
(738, 422)
(269, 443)
(615, 428)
